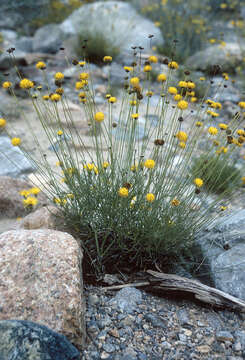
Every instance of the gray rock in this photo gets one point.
(20, 339)
(129, 29)
(12, 160)
(47, 39)
(25, 43)
(155, 321)
(223, 246)
(224, 335)
(240, 335)
(127, 298)
(7, 63)
(215, 55)
(21, 14)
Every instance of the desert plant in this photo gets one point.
(130, 201)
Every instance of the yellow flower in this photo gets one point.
(99, 116)
(59, 76)
(182, 144)
(240, 132)
(182, 84)
(105, 164)
(147, 68)
(177, 97)
(112, 99)
(172, 90)
(199, 123)
(70, 196)
(55, 97)
(84, 76)
(198, 182)
(191, 85)
(30, 200)
(193, 99)
(182, 104)
(128, 68)
(223, 6)
(2, 122)
(175, 202)
(135, 167)
(152, 59)
(35, 190)
(182, 136)
(173, 65)
(107, 58)
(212, 41)
(161, 77)
(123, 192)
(24, 193)
(243, 180)
(134, 81)
(59, 132)
(135, 116)
(202, 78)
(223, 126)
(7, 84)
(133, 201)
(149, 164)
(79, 85)
(82, 63)
(150, 197)
(223, 208)
(41, 65)
(213, 130)
(15, 141)
(59, 91)
(242, 104)
(133, 102)
(26, 84)
(149, 93)
(45, 97)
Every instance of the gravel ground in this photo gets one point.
(131, 324)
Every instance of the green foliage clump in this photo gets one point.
(218, 175)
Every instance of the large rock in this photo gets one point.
(30, 341)
(47, 39)
(19, 14)
(117, 22)
(223, 246)
(11, 204)
(47, 217)
(7, 63)
(45, 284)
(12, 160)
(228, 57)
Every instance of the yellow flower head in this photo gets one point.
(149, 164)
(135, 116)
(242, 104)
(193, 99)
(182, 84)
(182, 144)
(147, 68)
(15, 141)
(172, 90)
(30, 201)
(105, 164)
(79, 85)
(213, 130)
(202, 78)
(112, 99)
(182, 104)
(24, 193)
(175, 202)
(212, 41)
(59, 76)
(243, 180)
(123, 192)
(26, 84)
(45, 97)
(55, 97)
(84, 76)
(199, 123)
(198, 182)
(107, 58)
(59, 132)
(191, 85)
(81, 63)
(161, 78)
(182, 136)
(177, 97)
(99, 116)
(7, 84)
(173, 65)
(2, 122)
(41, 65)
(223, 126)
(152, 59)
(135, 81)
(35, 190)
(128, 68)
(59, 91)
(223, 208)
(150, 197)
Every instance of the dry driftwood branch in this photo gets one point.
(207, 294)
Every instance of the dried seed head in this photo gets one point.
(187, 72)
(159, 142)
(114, 125)
(74, 62)
(165, 61)
(197, 191)
(180, 119)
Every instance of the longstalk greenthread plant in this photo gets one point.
(132, 200)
